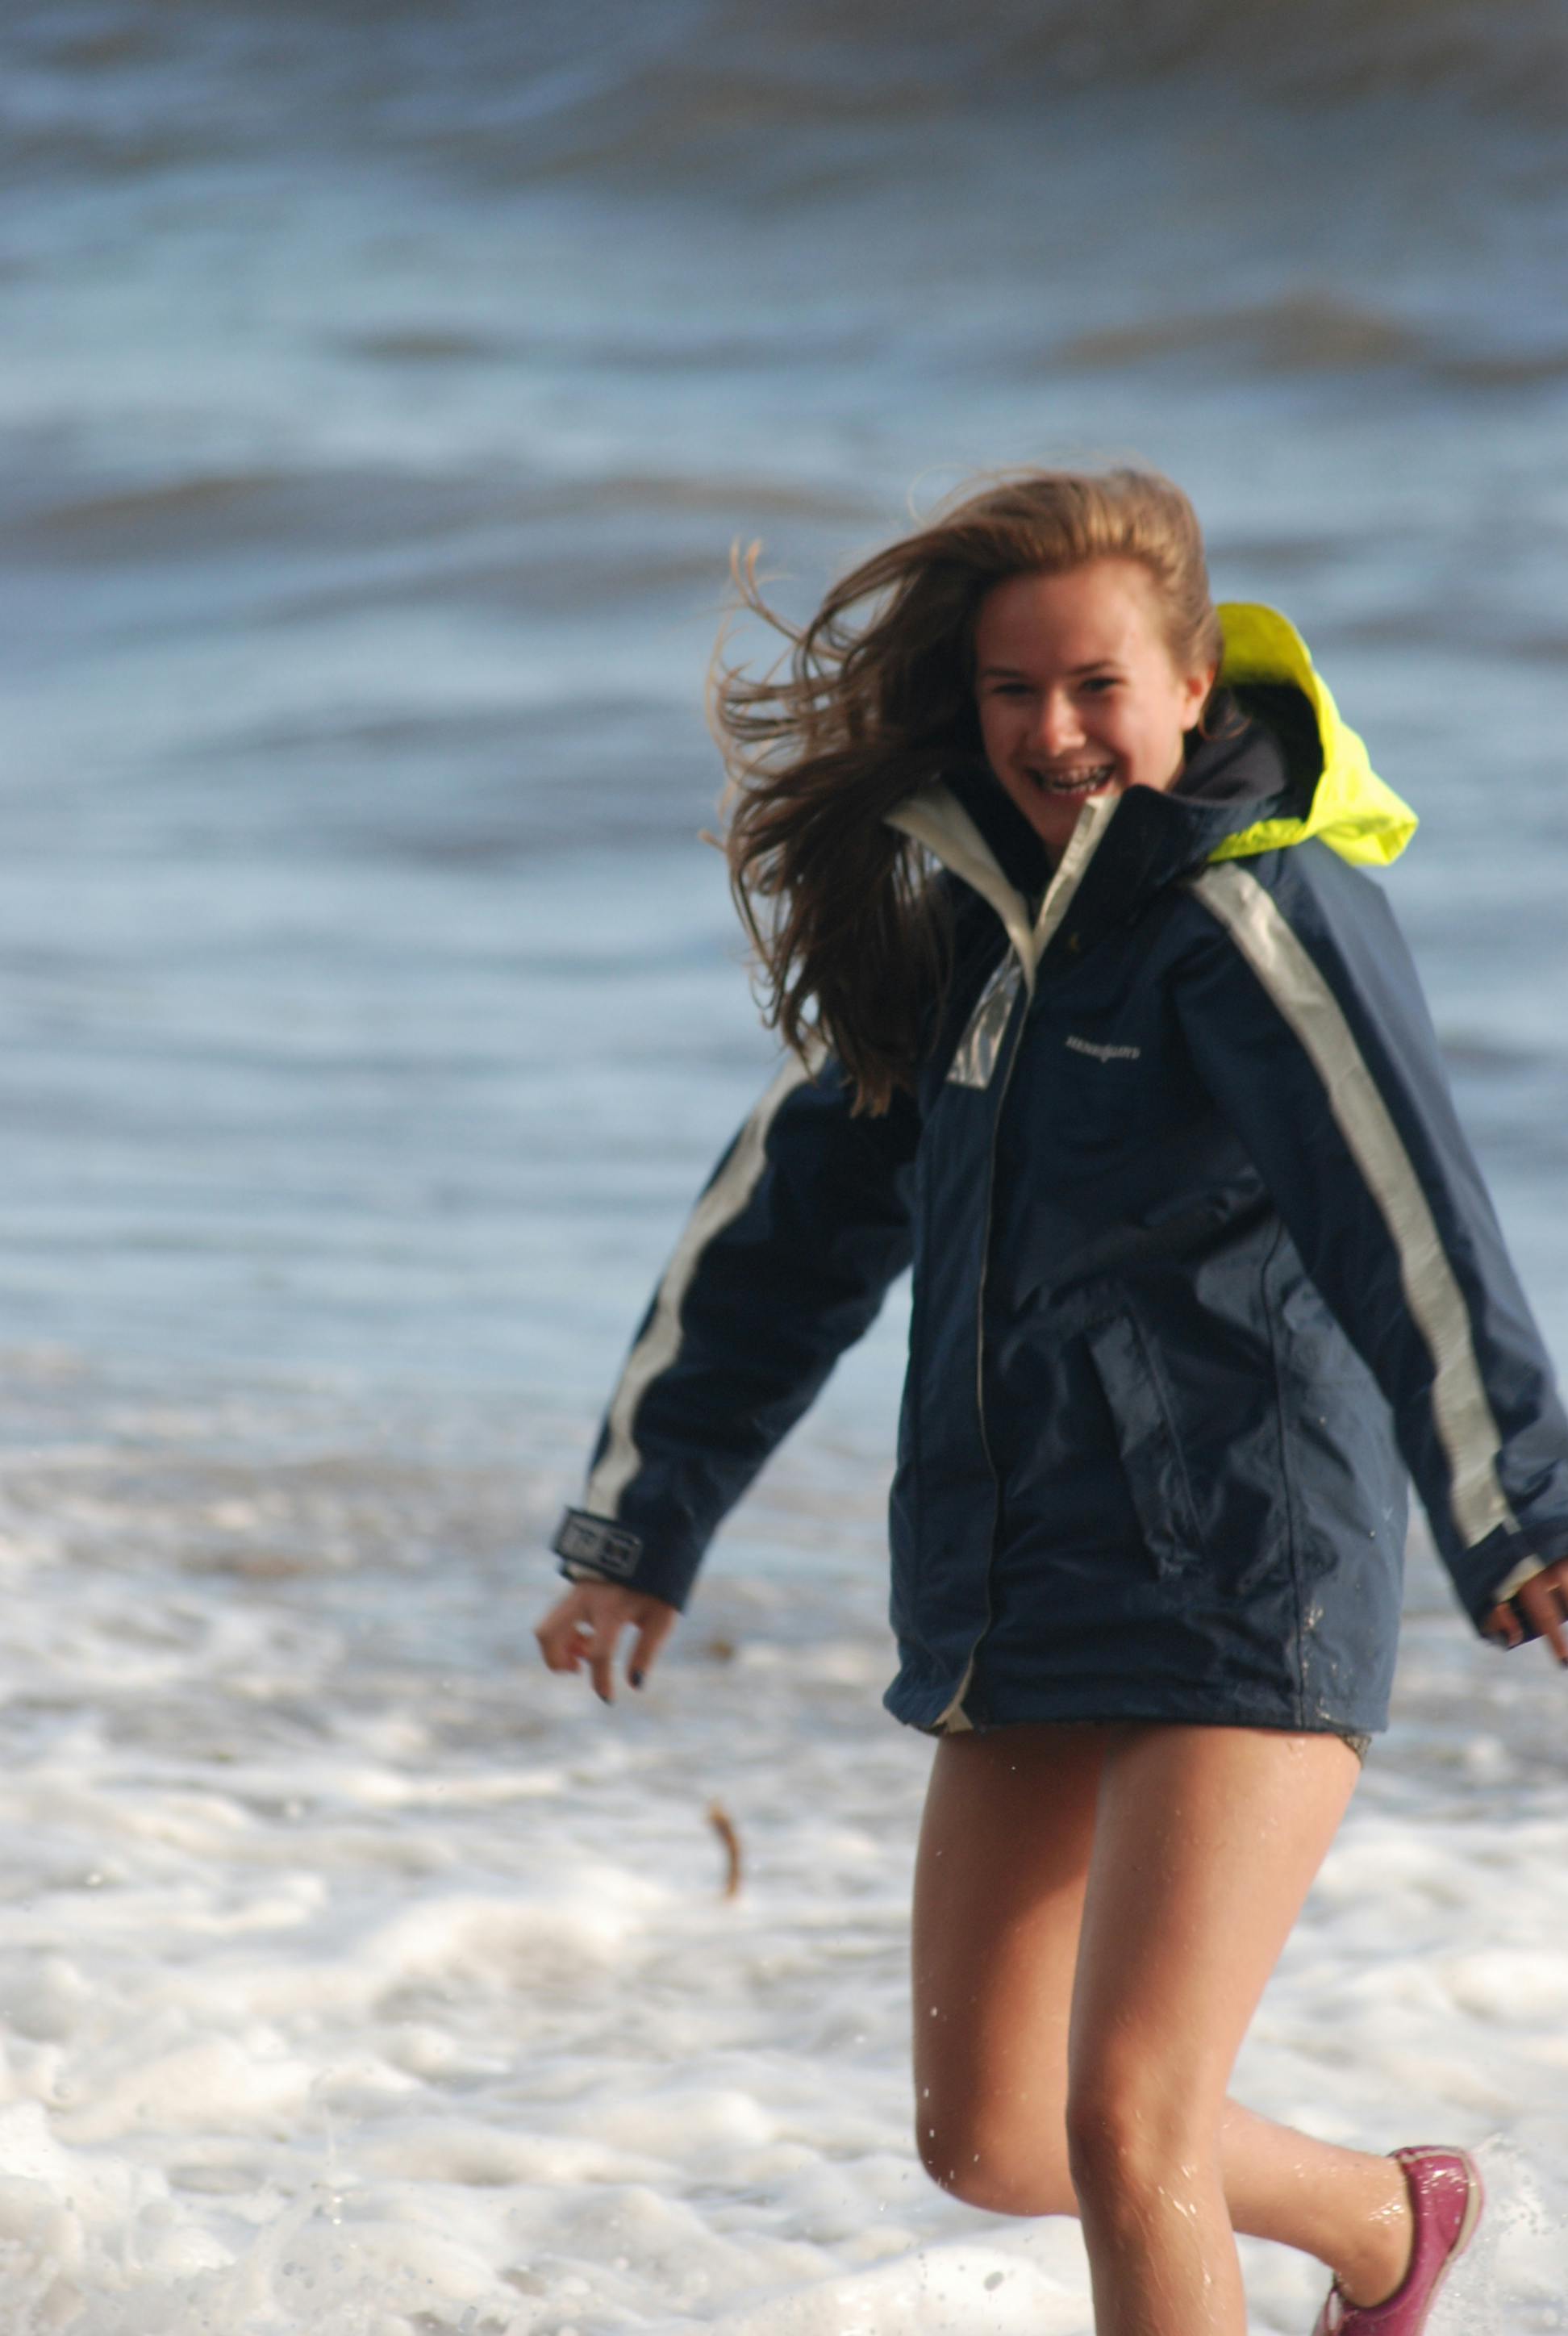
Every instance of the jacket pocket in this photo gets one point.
(1146, 1440)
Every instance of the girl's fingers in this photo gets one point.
(1543, 1605)
(600, 1650)
(1504, 1623)
(553, 1642)
(559, 1638)
(565, 1633)
(1543, 1601)
(656, 1626)
(585, 1627)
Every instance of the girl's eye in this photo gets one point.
(1099, 683)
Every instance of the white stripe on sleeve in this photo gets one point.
(719, 1206)
(1461, 1409)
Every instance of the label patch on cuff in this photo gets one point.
(591, 1541)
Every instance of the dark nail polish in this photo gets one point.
(636, 1678)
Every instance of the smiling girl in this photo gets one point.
(1054, 871)
(1077, 693)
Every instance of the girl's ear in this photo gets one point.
(1197, 690)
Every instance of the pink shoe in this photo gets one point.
(1446, 2200)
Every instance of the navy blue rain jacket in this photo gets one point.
(1191, 1224)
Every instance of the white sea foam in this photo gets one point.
(361, 1979)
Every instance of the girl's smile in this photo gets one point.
(1077, 692)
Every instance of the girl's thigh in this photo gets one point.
(1207, 1841)
(1097, 1909)
(999, 1881)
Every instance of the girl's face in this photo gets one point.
(1077, 692)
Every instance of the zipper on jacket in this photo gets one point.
(955, 1716)
(1082, 845)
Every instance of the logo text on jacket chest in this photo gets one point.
(1101, 1054)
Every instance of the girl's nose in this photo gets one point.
(1057, 729)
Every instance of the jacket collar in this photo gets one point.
(1122, 850)
(1294, 770)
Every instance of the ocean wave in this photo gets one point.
(214, 516)
(1341, 48)
(733, 80)
(1309, 332)
(597, 86)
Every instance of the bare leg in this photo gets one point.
(1005, 1859)
(1206, 1841)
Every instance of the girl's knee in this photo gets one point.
(1131, 2138)
(1006, 2173)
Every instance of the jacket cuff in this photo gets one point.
(1505, 1562)
(1512, 1584)
(597, 1549)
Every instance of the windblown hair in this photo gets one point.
(874, 700)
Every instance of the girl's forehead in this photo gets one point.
(1107, 608)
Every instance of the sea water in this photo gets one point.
(384, 391)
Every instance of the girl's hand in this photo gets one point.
(584, 1626)
(1544, 1603)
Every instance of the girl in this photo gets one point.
(1053, 871)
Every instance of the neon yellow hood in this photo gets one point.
(1351, 811)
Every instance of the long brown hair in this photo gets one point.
(874, 699)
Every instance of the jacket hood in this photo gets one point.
(1303, 773)
(1351, 809)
